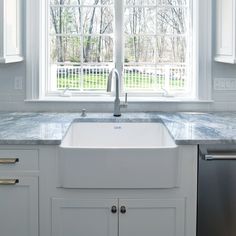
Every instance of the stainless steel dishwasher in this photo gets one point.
(217, 191)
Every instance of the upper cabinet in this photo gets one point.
(10, 31)
(225, 31)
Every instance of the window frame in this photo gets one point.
(36, 71)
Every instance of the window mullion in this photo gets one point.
(119, 38)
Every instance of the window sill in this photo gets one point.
(111, 99)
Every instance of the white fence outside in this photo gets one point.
(94, 78)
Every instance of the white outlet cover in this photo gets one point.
(18, 83)
(225, 84)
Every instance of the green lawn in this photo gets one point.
(99, 82)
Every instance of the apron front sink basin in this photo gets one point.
(118, 155)
(117, 135)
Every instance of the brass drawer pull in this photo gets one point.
(8, 161)
(9, 181)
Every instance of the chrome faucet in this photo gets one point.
(117, 104)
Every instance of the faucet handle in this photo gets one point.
(109, 81)
(126, 98)
(125, 104)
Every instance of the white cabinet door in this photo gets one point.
(152, 217)
(10, 31)
(225, 31)
(75, 217)
(18, 206)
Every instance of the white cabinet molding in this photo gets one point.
(225, 31)
(10, 31)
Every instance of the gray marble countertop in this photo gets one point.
(185, 128)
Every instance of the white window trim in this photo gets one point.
(35, 71)
(204, 50)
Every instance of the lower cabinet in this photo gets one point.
(33, 202)
(84, 217)
(19, 206)
(152, 217)
(123, 217)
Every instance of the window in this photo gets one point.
(157, 52)
(81, 36)
(147, 40)
(157, 46)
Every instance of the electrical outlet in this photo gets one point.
(18, 83)
(225, 84)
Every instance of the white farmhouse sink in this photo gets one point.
(117, 135)
(118, 155)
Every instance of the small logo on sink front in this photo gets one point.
(118, 127)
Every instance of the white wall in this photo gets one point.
(13, 100)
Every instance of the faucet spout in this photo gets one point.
(117, 104)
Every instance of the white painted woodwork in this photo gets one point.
(10, 31)
(226, 31)
(19, 207)
(72, 217)
(149, 217)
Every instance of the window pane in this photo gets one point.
(82, 77)
(140, 2)
(171, 49)
(140, 49)
(82, 2)
(173, 2)
(172, 20)
(140, 20)
(97, 49)
(98, 2)
(69, 77)
(65, 49)
(65, 2)
(178, 77)
(142, 78)
(81, 44)
(155, 79)
(156, 36)
(97, 20)
(95, 77)
(65, 20)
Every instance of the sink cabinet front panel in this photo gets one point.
(124, 168)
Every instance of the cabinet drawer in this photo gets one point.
(18, 160)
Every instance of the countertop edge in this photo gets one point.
(186, 128)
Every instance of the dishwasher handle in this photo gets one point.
(212, 157)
